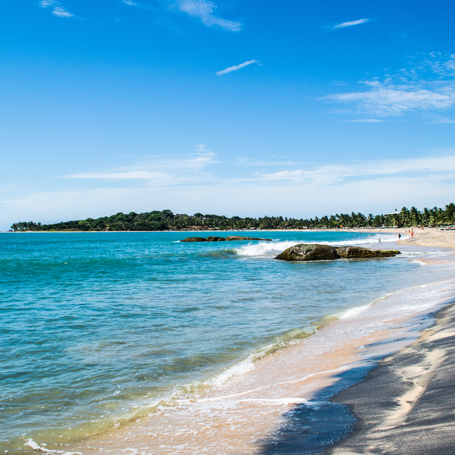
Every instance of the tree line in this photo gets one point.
(165, 220)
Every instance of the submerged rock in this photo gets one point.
(309, 252)
(315, 252)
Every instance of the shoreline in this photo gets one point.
(264, 402)
(406, 402)
(343, 357)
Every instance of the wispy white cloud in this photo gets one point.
(129, 3)
(158, 169)
(429, 86)
(205, 10)
(61, 12)
(335, 174)
(387, 99)
(235, 68)
(127, 175)
(444, 120)
(351, 23)
(57, 10)
(365, 120)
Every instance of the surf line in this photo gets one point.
(234, 395)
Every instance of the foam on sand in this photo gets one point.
(31, 443)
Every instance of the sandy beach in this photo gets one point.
(406, 404)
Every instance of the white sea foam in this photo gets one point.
(232, 372)
(31, 443)
(352, 312)
(267, 249)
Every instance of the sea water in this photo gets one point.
(97, 327)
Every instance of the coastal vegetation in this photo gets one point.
(165, 220)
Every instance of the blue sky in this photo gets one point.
(296, 108)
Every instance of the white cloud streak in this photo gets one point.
(388, 99)
(235, 68)
(205, 10)
(58, 10)
(405, 92)
(127, 175)
(351, 23)
(159, 170)
(334, 174)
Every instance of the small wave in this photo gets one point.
(265, 249)
(419, 254)
(290, 337)
(237, 370)
(352, 312)
(268, 249)
(31, 443)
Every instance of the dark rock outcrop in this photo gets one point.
(308, 252)
(215, 239)
(348, 252)
(315, 252)
(194, 239)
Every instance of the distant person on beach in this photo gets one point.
(399, 236)
(379, 239)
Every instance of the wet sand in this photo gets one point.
(406, 405)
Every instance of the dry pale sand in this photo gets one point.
(432, 238)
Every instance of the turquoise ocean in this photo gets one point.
(94, 326)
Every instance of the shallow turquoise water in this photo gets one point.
(94, 324)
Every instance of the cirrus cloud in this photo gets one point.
(205, 10)
(235, 68)
(351, 23)
(57, 10)
(428, 86)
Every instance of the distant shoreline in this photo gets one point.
(360, 230)
(429, 237)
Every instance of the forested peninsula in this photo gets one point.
(165, 220)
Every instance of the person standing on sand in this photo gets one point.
(399, 236)
(379, 240)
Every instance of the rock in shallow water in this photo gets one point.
(347, 252)
(315, 252)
